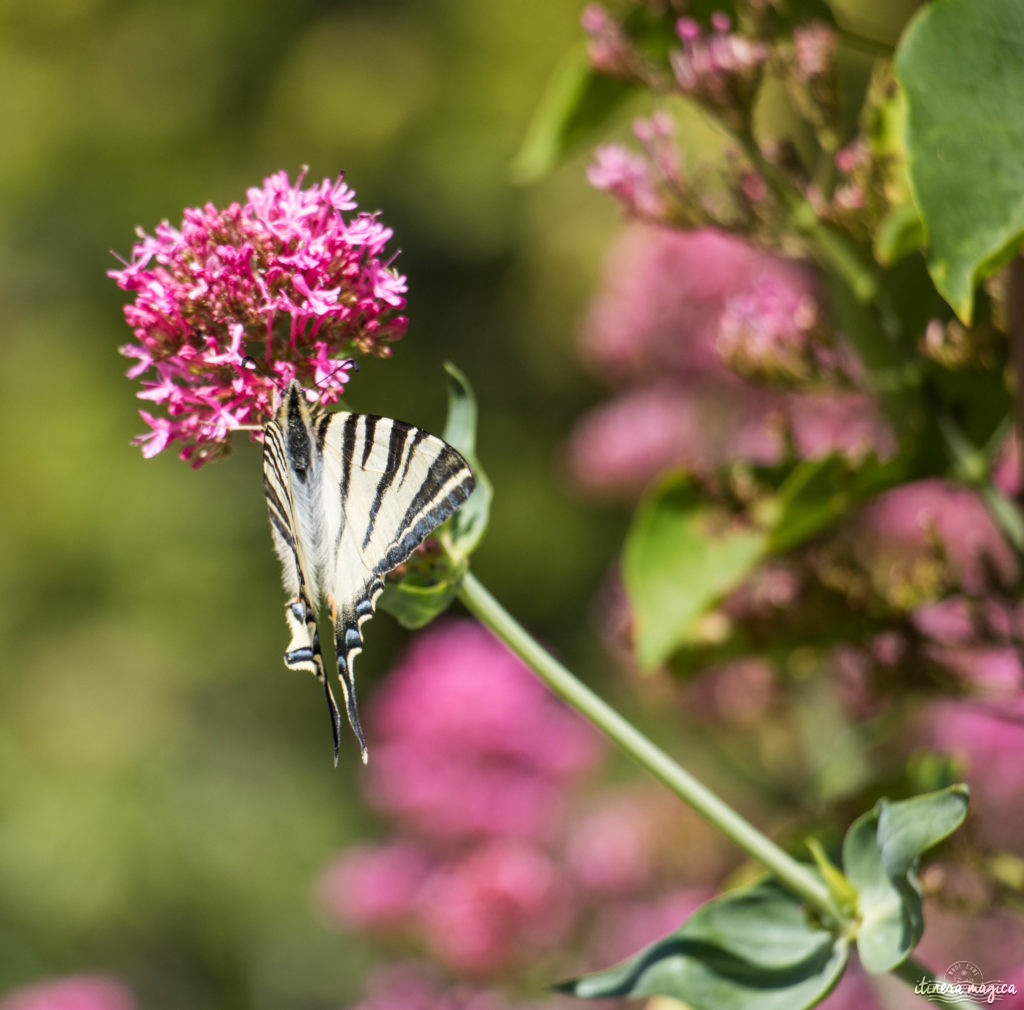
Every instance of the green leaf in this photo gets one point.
(885, 121)
(466, 528)
(900, 234)
(752, 949)
(676, 565)
(842, 891)
(415, 602)
(961, 63)
(817, 493)
(891, 918)
(909, 827)
(880, 854)
(576, 103)
(893, 367)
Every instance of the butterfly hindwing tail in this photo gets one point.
(303, 651)
(348, 643)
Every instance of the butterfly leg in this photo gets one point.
(304, 653)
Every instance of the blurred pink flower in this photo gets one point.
(993, 672)
(609, 48)
(712, 67)
(470, 743)
(769, 328)
(283, 276)
(628, 177)
(1006, 474)
(614, 847)
(670, 304)
(374, 887)
(844, 422)
(74, 992)
(775, 585)
(977, 640)
(947, 622)
(855, 992)
(503, 903)
(740, 692)
(992, 938)
(907, 524)
(663, 292)
(815, 46)
(990, 739)
(623, 444)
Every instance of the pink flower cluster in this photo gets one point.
(497, 859)
(903, 534)
(649, 185)
(720, 68)
(929, 556)
(75, 992)
(609, 48)
(772, 330)
(675, 311)
(472, 762)
(629, 178)
(285, 277)
(815, 46)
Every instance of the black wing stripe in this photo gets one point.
(420, 436)
(417, 525)
(369, 427)
(348, 448)
(396, 446)
(434, 491)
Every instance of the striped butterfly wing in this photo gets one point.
(386, 486)
(295, 543)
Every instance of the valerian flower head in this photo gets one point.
(294, 277)
(721, 68)
(609, 48)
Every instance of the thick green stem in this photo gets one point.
(620, 731)
(795, 876)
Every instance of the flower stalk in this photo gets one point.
(798, 878)
(794, 875)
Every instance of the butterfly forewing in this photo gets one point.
(366, 492)
(387, 485)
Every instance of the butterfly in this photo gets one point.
(350, 497)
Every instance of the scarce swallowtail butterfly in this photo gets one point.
(350, 497)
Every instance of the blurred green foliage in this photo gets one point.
(166, 790)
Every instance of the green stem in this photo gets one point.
(795, 876)
(971, 466)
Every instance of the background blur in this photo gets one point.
(166, 789)
(166, 792)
